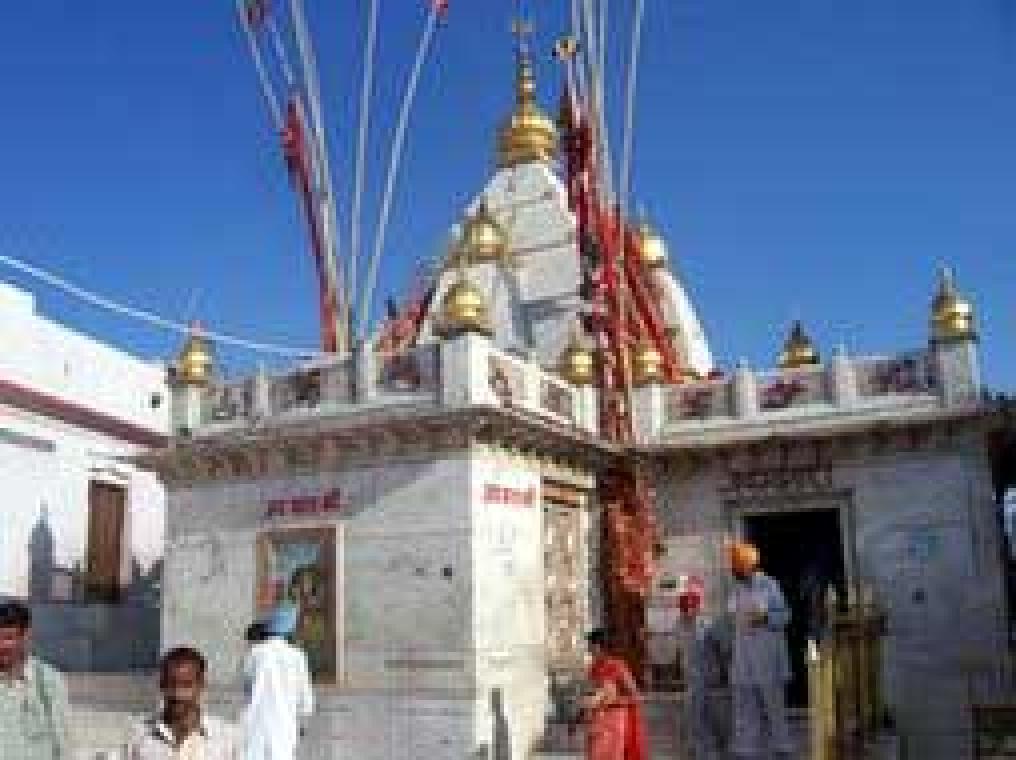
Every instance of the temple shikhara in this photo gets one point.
(538, 441)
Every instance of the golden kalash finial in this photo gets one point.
(647, 364)
(798, 350)
(952, 315)
(194, 364)
(528, 136)
(463, 307)
(577, 363)
(483, 238)
(652, 250)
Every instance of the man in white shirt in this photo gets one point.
(181, 730)
(279, 691)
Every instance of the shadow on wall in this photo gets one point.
(77, 631)
(501, 744)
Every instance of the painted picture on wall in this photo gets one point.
(298, 566)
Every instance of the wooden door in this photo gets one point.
(107, 511)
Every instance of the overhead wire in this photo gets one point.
(578, 72)
(629, 113)
(395, 159)
(266, 83)
(143, 315)
(328, 216)
(361, 143)
(280, 51)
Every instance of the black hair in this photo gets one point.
(255, 632)
(599, 637)
(15, 614)
(183, 656)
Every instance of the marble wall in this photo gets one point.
(440, 598)
(920, 527)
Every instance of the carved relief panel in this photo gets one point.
(563, 565)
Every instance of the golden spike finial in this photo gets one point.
(527, 136)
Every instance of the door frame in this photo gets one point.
(841, 501)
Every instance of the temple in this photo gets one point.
(442, 501)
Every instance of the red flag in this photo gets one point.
(257, 11)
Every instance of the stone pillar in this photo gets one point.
(186, 407)
(745, 392)
(957, 369)
(842, 380)
(464, 370)
(364, 372)
(647, 414)
(587, 410)
(261, 394)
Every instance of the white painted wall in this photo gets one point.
(46, 464)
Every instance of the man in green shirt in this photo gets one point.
(33, 699)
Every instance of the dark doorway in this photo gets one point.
(804, 552)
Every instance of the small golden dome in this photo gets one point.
(952, 315)
(483, 238)
(577, 364)
(647, 365)
(798, 350)
(194, 365)
(652, 248)
(463, 309)
(528, 135)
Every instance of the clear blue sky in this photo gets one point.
(811, 158)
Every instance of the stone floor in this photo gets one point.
(107, 706)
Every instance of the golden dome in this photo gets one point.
(952, 315)
(528, 135)
(463, 309)
(652, 248)
(798, 350)
(483, 238)
(577, 364)
(647, 364)
(194, 365)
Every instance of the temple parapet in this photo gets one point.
(463, 371)
(845, 389)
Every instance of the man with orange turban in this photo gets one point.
(760, 669)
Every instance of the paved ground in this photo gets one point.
(107, 706)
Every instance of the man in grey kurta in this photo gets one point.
(33, 699)
(760, 669)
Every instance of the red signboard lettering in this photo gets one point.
(302, 506)
(511, 497)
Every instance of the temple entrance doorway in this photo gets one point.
(804, 551)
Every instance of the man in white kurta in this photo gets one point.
(279, 692)
(760, 669)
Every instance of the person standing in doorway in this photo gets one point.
(761, 665)
(181, 730)
(33, 699)
(613, 712)
(280, 696)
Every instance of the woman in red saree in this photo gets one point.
(613, 711)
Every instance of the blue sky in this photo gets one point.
(806, 158)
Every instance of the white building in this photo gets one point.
(82, 530)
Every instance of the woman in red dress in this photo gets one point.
(613, 711)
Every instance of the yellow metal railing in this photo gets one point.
(844, 676)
